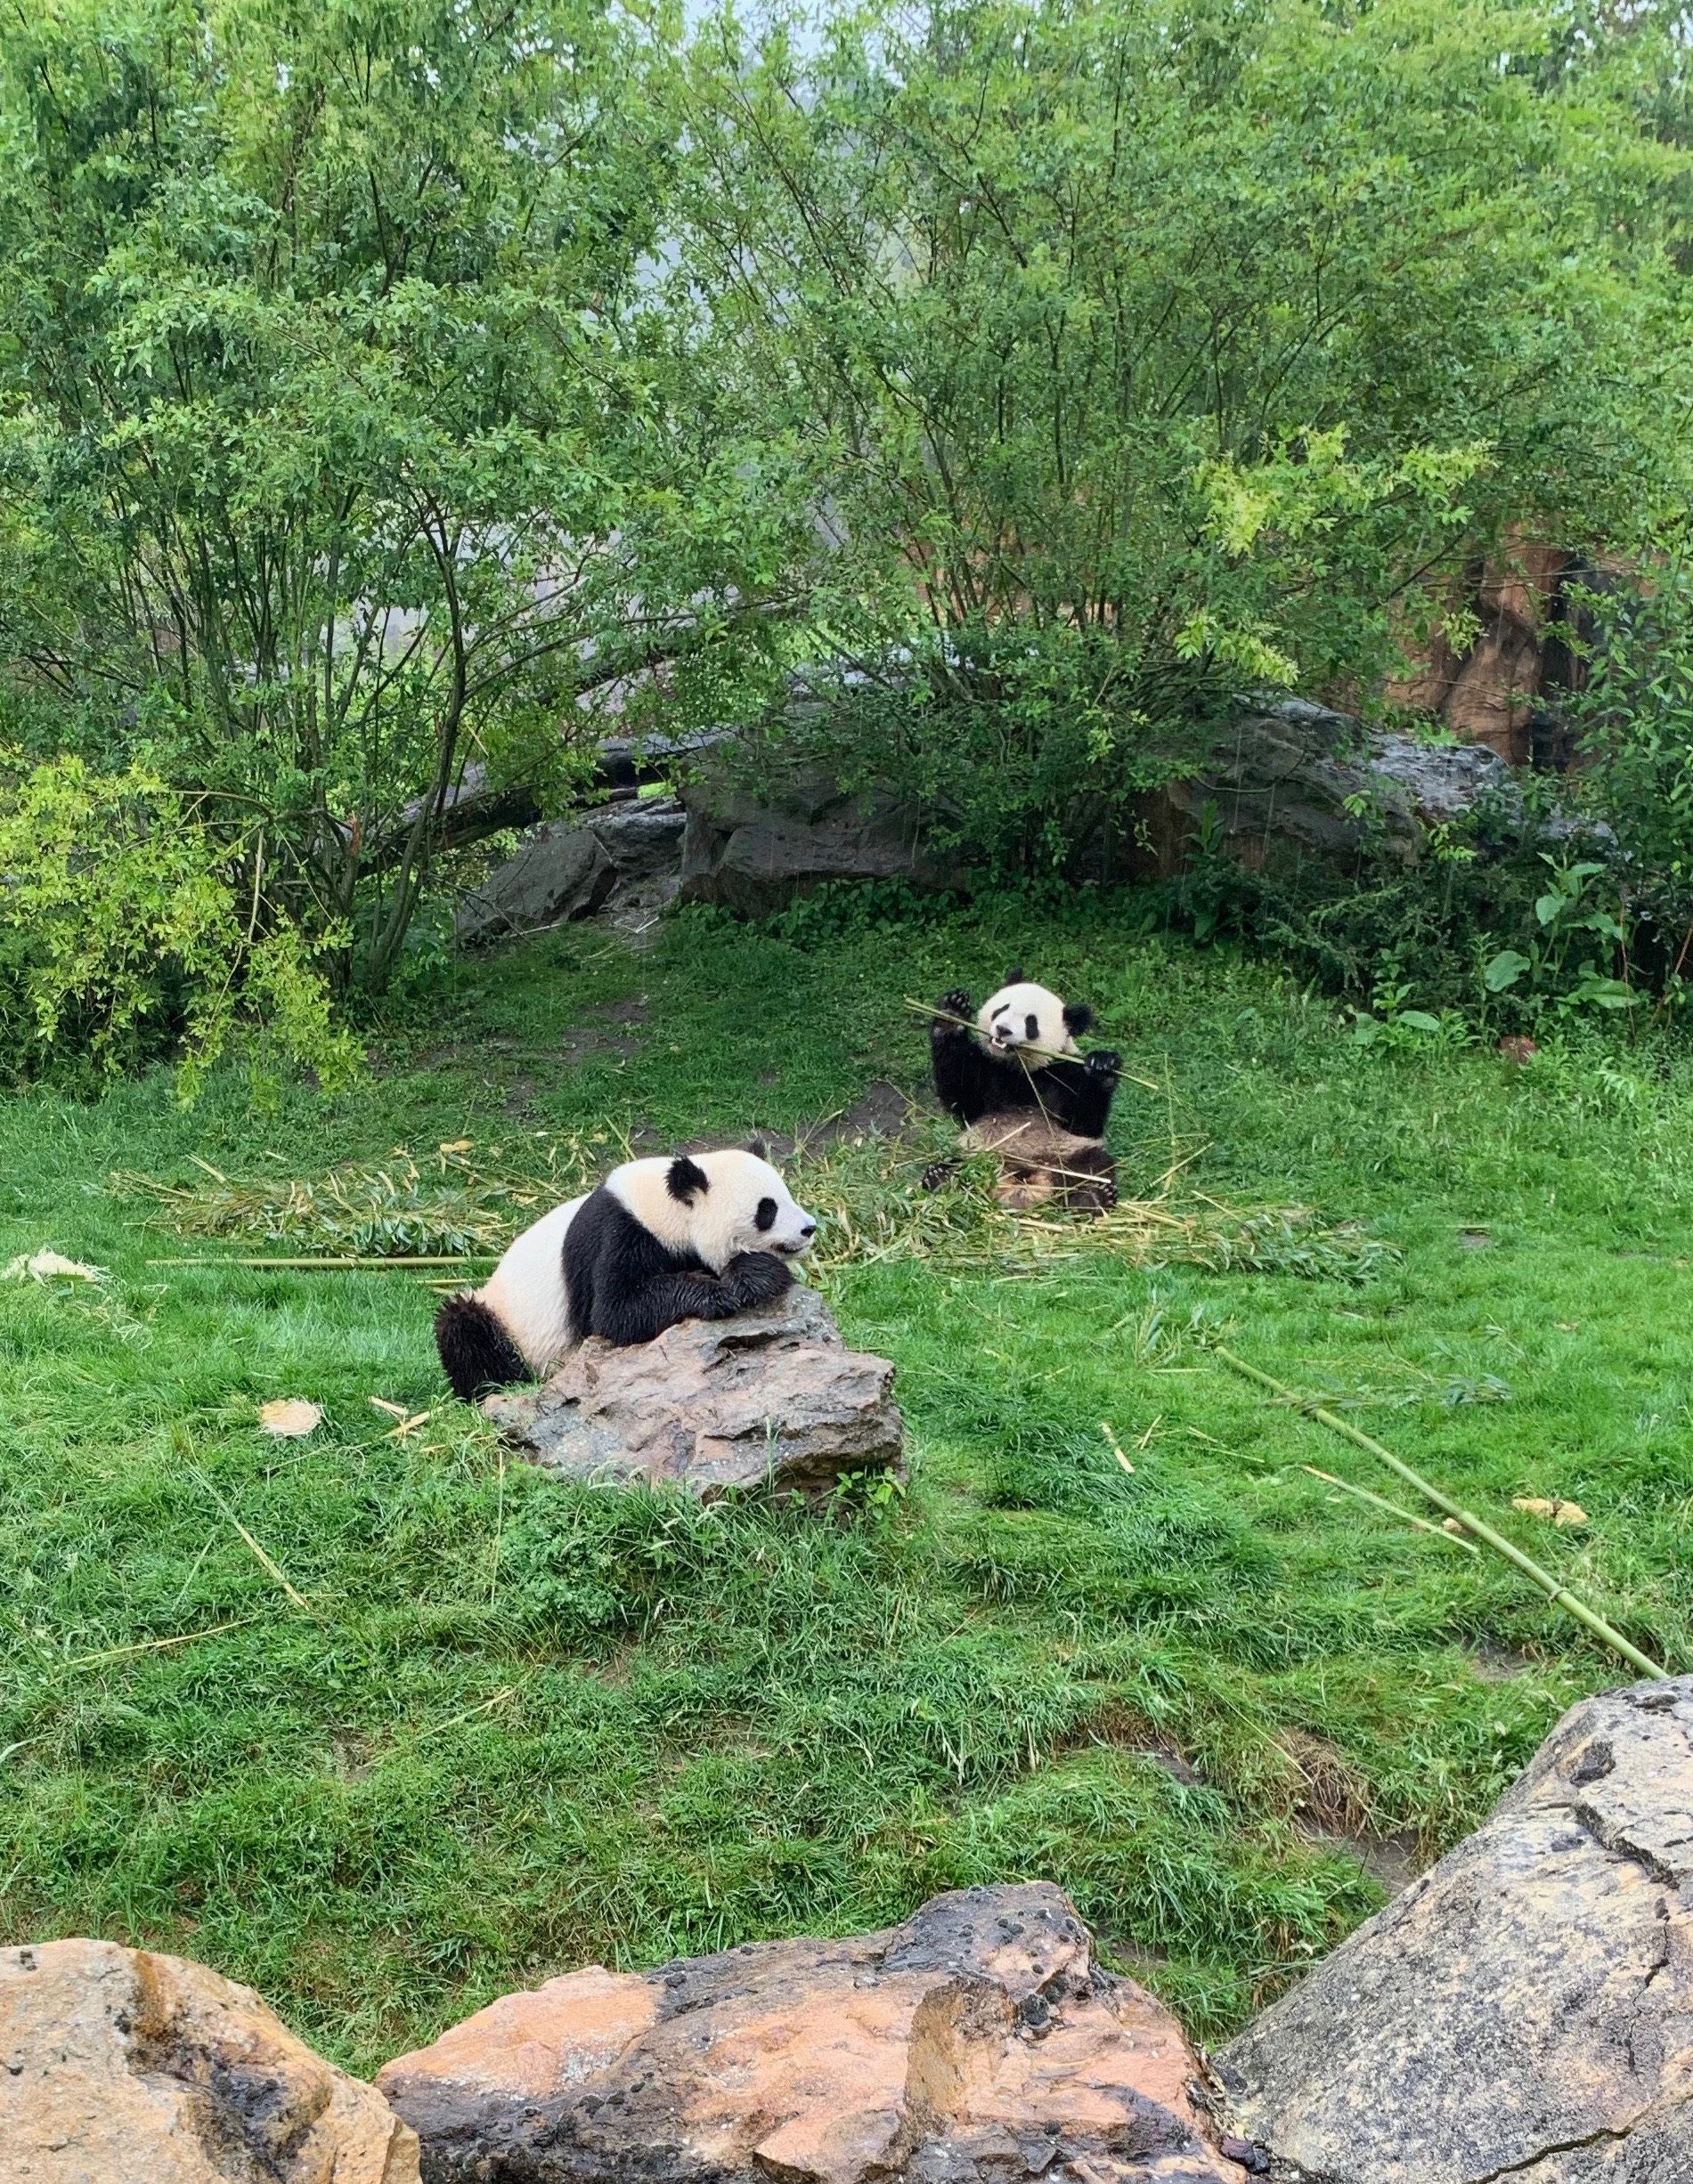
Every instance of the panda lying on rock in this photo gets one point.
(698, 1236)
(1022, 1089)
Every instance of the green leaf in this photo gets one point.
(1503, 970)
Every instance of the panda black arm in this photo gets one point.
(757, 1277)
(626, 1286)
(968, 1083)
(1077, 1094)
(638, 1314)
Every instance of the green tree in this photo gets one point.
(1133, 354)
(339, 462)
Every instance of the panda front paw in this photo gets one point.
(1104, 1062)
(955, 1004)
(757, 1277)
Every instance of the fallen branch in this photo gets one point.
(1559, 1595)
(1381, 1501)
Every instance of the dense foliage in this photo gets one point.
(1133, 355)
(386, 387)
(335, 471)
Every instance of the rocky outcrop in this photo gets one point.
(1524, 2010)
(771, 1399)
(752, 852)
(124, 2067)
(623, 856)
(978, 2042)
(1301, 776)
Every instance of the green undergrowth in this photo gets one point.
(516, 1726)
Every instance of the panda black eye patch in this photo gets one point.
(1031, 1027)
(765, 1217)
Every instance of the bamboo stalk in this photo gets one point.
(1381, 1501)
(1559, 1595)
(156, 1646)
(1046, 1053)
(474, 1258)
(299, 1599)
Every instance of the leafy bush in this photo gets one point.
(327, 460)
(1515, 915)
(127, 933)
(1131, 357)
(1634, 719)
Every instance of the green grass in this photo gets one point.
(527, 1726)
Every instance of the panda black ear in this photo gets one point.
(759, 1150)
(1078, 1017)
(686, 1178)
(1014, 976)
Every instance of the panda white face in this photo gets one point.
(715, 1204)
(1025, 1015)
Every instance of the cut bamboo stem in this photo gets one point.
(1559, 1595)
(266, 1562)
(474, 1258)
(1381, 1501)
(156, 1646)
(1046, 1053)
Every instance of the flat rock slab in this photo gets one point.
(124, 2067)
(1524, 2010)
(771, 1399)
(977, 2041)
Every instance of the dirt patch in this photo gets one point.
(586, 1043)
(1394, 1860)
(1330, 1794)
(632, 1009)
(1125, 1730)
(882, 1110)
(1494, 1663)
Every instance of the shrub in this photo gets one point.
(1131, 356)
(128, 933)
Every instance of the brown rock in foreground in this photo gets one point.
(1524, 2010)
(977, 2041)
(118, 2066)
(771, 1399)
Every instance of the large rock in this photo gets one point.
(771, 1399)
(977, 2041)
(753, 851)
(124, 2067)
(1302, 774)
(624, 855)
(1526, 2008)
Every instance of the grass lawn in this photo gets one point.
(524, 1726)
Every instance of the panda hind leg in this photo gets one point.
(476, 1353)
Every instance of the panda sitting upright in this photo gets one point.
(698, 1236)
(1021, 1088)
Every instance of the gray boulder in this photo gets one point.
(755, 852)
(618, 855)
(771, 1399)
(1440, 782)
(1526, 2008)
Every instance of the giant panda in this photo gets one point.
(698, 1236)
(1021, 1088)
